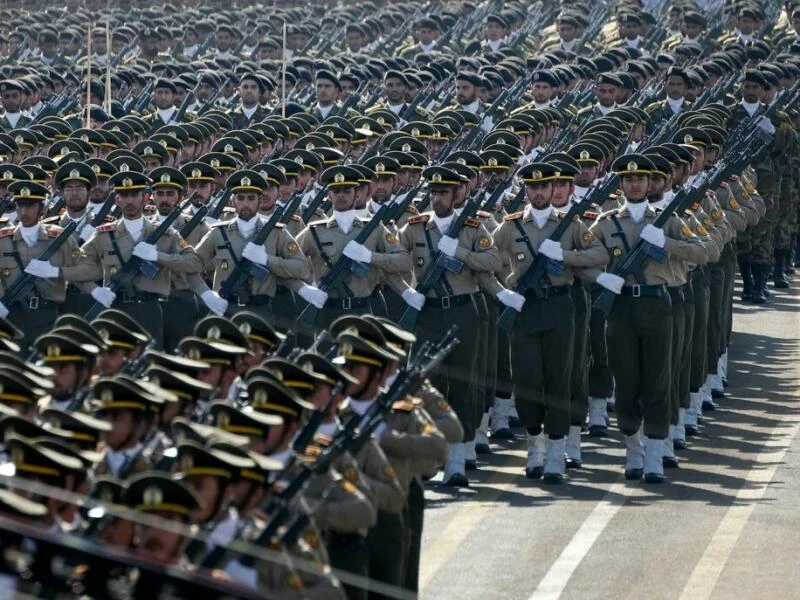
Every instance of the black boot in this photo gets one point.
(747, 279)
(796, 251)
(760, 273)
(778, 276)
(788, 259)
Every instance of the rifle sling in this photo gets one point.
(327, 259)
(528, 245)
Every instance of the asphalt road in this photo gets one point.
(725, 525)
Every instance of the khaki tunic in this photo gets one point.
(444, 417)
(99, 259)
(11, 241)
(285, 260)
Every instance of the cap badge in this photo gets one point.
(245, 328)
(246, 181)
(380, 167)
(492, 162)
(338, 178)
(215, 163)
(584, 155)
(406, 148)
(25, 192)
(196, 173)
(260, 396)
(632, 166)
(8, 175)
(194, 354)
(147, 151)
(124, 168)
(282, 169)
(299, 160)
(53, 351)
(85, 138)
(103, 333)
(165, 178)
(687, 139)
(96, 168)
(106, 396)
(214, 333)
(310, 146)
(152, 496)
(536, 175)
(415, 131)
(228, 148)
(127, 182)
(74, 174)
(223, 420)
(436, 178)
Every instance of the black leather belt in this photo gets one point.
(139, 297)
(255, 300)
(549, 292)
(447, 302)
(346, 303)
(36, 303)
(644, 291)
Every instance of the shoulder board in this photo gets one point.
(483, 214)
(472, 223)
(688, 213)
(53, 231)
(734, 178)
(514, 216)
(104, 228)
(403, 405)
(411, 209)
(6, 231)
(590, 214)
(296, 217)
(51, 220)
(279, 225)
(419, 219)
(610, 213)
(218, 224)
(695, 206)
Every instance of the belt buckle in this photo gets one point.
(636, 291)
(446, 302)
(240, 302)
(347, 303)
(33, 303)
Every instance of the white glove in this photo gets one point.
(146, 251)
(313, 295)
(448, 245)
(86, 232)
(765, 125)
(255, 253)
(613, 283)
(552, 250)
(357, 252)
(653, 235)
(215, 303)
(42, 268)
(3, 311)
(104, 296)
(413, 298)
(511, 299)
(380, 430)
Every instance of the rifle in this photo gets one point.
(311, 208)
(25, 281)
(134, 266)
(342, 266)
(219, 202)
(441, 263)
(290, 209)
(188, 100)
(143, 99)
(5, 202)
(245, 269)
(532, 278)
(117, 60)
(196, 219)
(397, 210)
(55, 208)
(209, 103)
(633, 261)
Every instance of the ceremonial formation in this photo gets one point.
(267, 270)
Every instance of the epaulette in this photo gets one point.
(51, 220)
(419, 219)
(688, 213)
(472, 223)
(411, 209)
(610, 213)
(695, 206)
(296, 217)
(108, 227)
(318, 223)
(53, 231)
(514, 216)
(403, 406)
(279, 225)
(6, 231)
(590, 214)
(483, 214)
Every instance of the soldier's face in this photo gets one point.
(676, 87)
(746, 25)
(587, 175)
(426, 35)
(326, 92)
(541, 91)
(751, 92)
(76, 195)
(395, 90)
(28, 213)
(768, 95)
(65, 380)
(692, 30)
(163, 98)
(224, 40)
(566, 32)
(606, 94)
(165, 199)
(207, 489)
(493, 31)
(111, 362)
(342, 198)
(246, 204)
(131, 203)
(249, 92)
(443, 202)
(539, 194)
(561, 193)
(656, 187)
(268, 199)
(466, 92)
(12, 100)
(382, 188)
(159, 545)
(635, 187)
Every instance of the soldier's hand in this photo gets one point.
(104, 296)
(653, 235)
(146, 251)
(552, 250)
(42, 268)
(313, 295)
(215, 303)
(448, 245)
(765, 125)
(357, 252)
(511, 299)
(86, 232)
(3, 311)
(613, 283)
(255, 253)
(413, 298)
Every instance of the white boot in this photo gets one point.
(454, 471)
(700, 400)
(653, 460)
(705, 392)
(634, 456)
(573, 447)
(690, 421)
(481, 434)
(669, 460)
(554, 460)
(534, 467)
(722, 368)
(678, 432)
(598, 417)
(611, 402)
(470, 458)
(500, 426)
(513, 416)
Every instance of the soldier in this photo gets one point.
(69, 365)
(228, 244)
(251, 88)
(21, 246)
(640, 323)
(113, 245)
(11, 93)
(676, 82)
(450, 300)
(546, 326)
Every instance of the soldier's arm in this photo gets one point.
(682, 243)
(290, 263)
(89, 266)
(481, 254)
(389, 255)
(382, 478)
(181, 257)
(345, 508)
(205, 251)
(587, 250)
(423, 442)
(444, 417)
